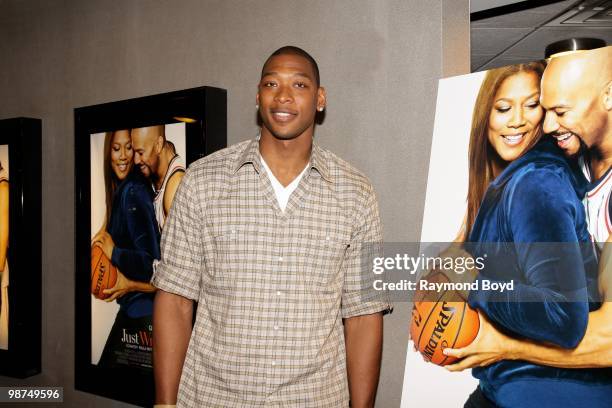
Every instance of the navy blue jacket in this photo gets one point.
(537, 199)
(134, 230)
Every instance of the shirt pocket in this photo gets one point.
(236, 257)
(324, 257)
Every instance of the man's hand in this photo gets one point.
(489, 346)
(363, 336)
(121, 288)
(125, 285)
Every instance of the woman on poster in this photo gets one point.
(4, 269)
(522, 192)
(130, 240)
(585, 77)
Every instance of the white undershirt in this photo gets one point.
(282, 193)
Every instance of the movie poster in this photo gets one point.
(4, 243)
(489, 125)
(130, 170)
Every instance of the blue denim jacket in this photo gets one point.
(134, 230)
(537, 199)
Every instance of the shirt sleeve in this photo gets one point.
(551, 302)
(358, 294)
(180, 267)
(137, 263)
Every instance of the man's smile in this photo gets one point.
(283, 114)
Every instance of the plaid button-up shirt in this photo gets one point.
(272, 286)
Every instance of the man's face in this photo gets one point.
(573, 108)
(145, 142)
(288, 96)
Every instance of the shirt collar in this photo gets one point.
(251, 155)
(319, 163)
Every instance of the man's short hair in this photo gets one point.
(293, 50)
(159, 129)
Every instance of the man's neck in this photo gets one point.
(601, 157)
(285, 158)
(599, 167)
(164, 163)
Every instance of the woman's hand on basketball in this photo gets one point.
(121, 288)
(104, 241)
(489, 346)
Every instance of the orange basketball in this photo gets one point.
(103, 273)
(440, 324)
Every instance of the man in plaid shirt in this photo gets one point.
(268, 236)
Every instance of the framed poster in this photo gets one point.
(496, 134)
(130, 158)
(20, 247)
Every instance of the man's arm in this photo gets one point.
(491, 346)
(363, 336)
(170, 191)
(172, 320)
(595, 349)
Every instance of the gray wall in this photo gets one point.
(380, 61)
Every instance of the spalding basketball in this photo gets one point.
(103, 273)
(441, 324)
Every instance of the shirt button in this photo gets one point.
(280, 258)
(278, 293)
(275, 327)
(273, 363)
(327, 238)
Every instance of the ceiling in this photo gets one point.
(480, 5)
(519, 32)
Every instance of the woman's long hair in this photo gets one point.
(481, 154)
(110, 181)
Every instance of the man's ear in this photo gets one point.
(321, 99)
(159, 144)
(607, 96)
(257, 100)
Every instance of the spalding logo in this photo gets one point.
(100, 279)
(444, 318)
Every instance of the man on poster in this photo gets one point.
(158, 161)
(577, 96)
(267, 236)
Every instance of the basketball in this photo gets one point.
(103, 273)
(441, 324)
